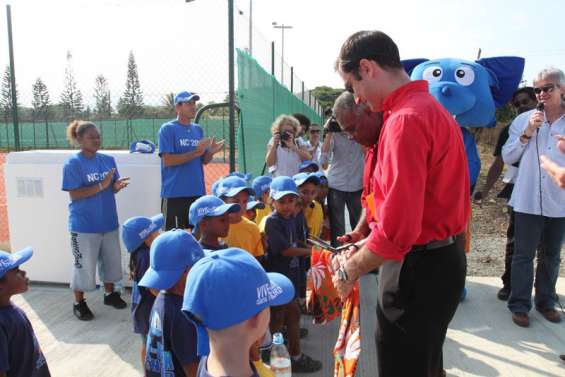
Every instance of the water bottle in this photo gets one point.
(280, 359)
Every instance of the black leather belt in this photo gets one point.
(434, 244)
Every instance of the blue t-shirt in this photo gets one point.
(187, 179)
(141, 298)
(203, 369)
(171, 340)
(283, 234)
(97, 213)
(20, 354)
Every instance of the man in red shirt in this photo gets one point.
(421, 202)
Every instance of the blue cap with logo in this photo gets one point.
(228, 287)
(136, 229)
(9, 261)
(281, 186)
(185, 96)
(171, 254)
(261, 184)
(231, 186)
(246, 176)
(323, 179)
(254, 204)
(209, 206)
(142, 146)
(302, 178)
(214, 187)
(309, 164)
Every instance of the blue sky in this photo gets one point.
(179, 45)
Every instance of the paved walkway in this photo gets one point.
(482, 340)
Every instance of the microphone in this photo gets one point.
(540, 107)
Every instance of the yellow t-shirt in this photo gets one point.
(314, 218)
(245, 235)
(262, 213)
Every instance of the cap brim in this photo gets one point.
(160, 279)
(22, 256)
(280, 194)
(255, 204)
(282, 289)
(194, 97)
(158, 220)
(224, 208)
(312, 178)
(234, 191)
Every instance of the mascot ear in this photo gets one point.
(410, 64)
(507, 72)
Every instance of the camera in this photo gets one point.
(286, 136)
(333, 125)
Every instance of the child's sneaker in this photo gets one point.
(305, 364)
(114, 299)
(82, 312)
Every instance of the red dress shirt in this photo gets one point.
(421, 180)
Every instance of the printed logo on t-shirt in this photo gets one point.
(188, 142)
(157, 360)
(95, 177)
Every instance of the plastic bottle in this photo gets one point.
(280, 359)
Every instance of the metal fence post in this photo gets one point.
(231, 85)
(13, 81)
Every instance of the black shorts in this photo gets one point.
(175, 211)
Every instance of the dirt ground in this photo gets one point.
(490, 220)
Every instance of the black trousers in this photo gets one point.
(509, 251)
(429, 288)
(337, 200)
(175, 211)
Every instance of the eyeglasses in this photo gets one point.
(314, 131)
(546, 89)
(523, 102)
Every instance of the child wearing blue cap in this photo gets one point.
(228, 298)
(243, 233)
(20, 354)
(308, 185)
(261, 187)
(138, 234)
(171, 340)
(252, 207)
(209, 216)
(286, 249)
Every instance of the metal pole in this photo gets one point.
(231, 85)
(251, 27)
(273, 58)
(292, 79)
(302, 91)
(282, 56)
(13, 81)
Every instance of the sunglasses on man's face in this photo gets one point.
(546, 89)
(519, 103)
(314, 131)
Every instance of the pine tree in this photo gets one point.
(71, 97)
(41, 100)
(131, 103)
(6, 96)
(103, 107)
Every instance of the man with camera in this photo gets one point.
(345, 173)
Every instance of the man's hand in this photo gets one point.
(203, 144)
(536, 120)
(351, 237)
(343, 288)
(120, 184)
(556, 172)
(216, 146)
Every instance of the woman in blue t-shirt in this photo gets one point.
(92, 180)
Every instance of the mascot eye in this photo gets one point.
(432, 74)
(464, 76)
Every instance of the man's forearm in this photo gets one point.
(171, 159)
(361, 263)
(493, 173)
(208, 156)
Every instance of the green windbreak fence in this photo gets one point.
(116, 134)
(261, 99)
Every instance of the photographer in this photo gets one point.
(345, 159)
(283, 153)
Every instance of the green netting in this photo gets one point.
(116, 134)
(261, 99)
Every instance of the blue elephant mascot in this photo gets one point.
(471, 92)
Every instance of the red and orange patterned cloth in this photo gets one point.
(323, 301)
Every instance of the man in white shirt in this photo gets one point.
(538, 202)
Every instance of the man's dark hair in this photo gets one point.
(371, 45)
(303, 120)
(528, 90)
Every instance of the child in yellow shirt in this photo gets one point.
(261, 187)
(308, 185)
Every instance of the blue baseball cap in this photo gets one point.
(186, 97)
(228, 287)
(171, 254)
(231, 186)
(136, 229)
(209, 206)
(320, 174)
(281, 186)
(307, 164)
(254, 204)
(302, 178)
(9, 261)
(261, 184)
(142, 146)
(246, 176)
(214, 187)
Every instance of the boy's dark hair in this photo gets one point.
(528, 90)
(303, 120)
(371, 45)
